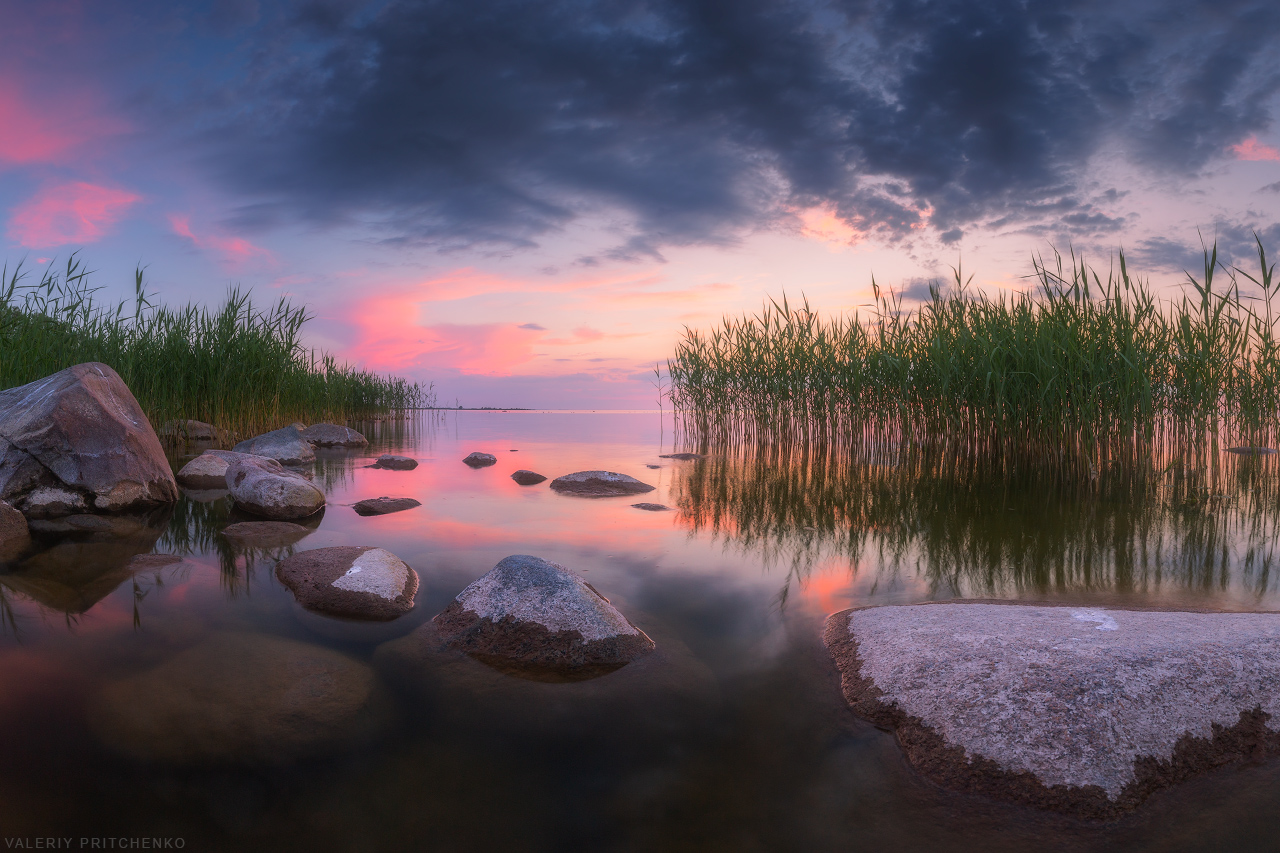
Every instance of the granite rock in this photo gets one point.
(360, 582)
(480, 460)
(395, 463)
(599, 484)
(209, 469)
(528, 478)
(286, 446)
(333, 435)
(264, 487)
(384, 505)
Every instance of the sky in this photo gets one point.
(528, 203)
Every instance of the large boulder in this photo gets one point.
(537, 618)
(266, 488)
(209, 469)
(333, 435)
(286, 446)
(599, 484)
(240, 699)
(14, 535)
(80, 431)
(1081, 710)
(359, 582)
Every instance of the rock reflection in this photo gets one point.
(1203, 522)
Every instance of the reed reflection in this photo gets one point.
(1203, 522)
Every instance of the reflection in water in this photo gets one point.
(1203, 523)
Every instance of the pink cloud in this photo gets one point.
(51, 132)
(824, 224)
(1252, 149)
(232, 251)
(69, 213)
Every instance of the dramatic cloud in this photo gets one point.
(1252, 149)
(496, 122)
(69, 213)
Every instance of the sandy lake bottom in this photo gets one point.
(743, 743)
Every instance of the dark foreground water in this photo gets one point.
(745, 744)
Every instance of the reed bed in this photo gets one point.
(239, 367)
(1081, 371)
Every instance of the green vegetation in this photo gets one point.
(1080, 371)
(237, 367)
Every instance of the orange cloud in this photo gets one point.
(823, 224)
(233, 251)
(70, 213)
(1252, 149)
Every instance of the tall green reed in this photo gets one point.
(239, 367)
(1080, 371)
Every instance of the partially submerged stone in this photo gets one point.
(240, 699)
(209, 469)
(395, 463)
(188, 430)
(384, 505)
(534, 617)
(1080, 710)
(333, 435)
(681, 456)
(528, 478)
(599, 484)
(360, 582)
(14, 534)
(480, 460)
(264, 534)
(265, 487)
(80, 431)
(286, 446)
(652, 507)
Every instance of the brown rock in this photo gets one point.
(598, 484)
(360, 582)
(384, 505)
(528, 478)
(395, 463)
(81, 429)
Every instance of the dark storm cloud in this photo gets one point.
(495, 122)
(1235, 242)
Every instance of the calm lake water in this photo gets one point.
(746, 745)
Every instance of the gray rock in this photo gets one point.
(265, 487)
(395, 463)
(652, 507)
(1078, 709)
(599, 484)
(209, 469)
(189, 430)
(52, 501)
(528, 478)
(81, 430)
(14, 535)
(480, 460)
(355, 582)
(285, 445)
(266, 535)
(682, 456)
(384, 505)
(333, 435)
(240, 699)
(537, 617)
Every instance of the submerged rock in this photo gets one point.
(265, 487)
(480, 460)
(356, 582)
(14, 535)
(333, 435)
(682, 456)
(599, 484)
(395, 463)
(285, 445)
(265, 534)
(209, 469)
(189, 430)
(240, 699)
(528, 478)
(1080, 710)
(535, 617)
(384, 505)
(652, 507)
(80, 431)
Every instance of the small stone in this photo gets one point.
(265, 487)
(599, 484)
(356, 582)
(286, 446)
(265, 534)
(682, 456)
(652, 507)
(654, 467)
(528, 478)
(333, 435)
(209, 469)
(189, 430)
(480, 460)
(395, 463)
(384, 505)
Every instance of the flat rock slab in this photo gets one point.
(286, 446)
(599, 484)
(537, 619)
(528, 478)
(360, 582)
(1080, 710)
(333, 435)
(265, 534)
(652, 507)
(384, 505)
(480, 460)
(395, 463)
(682, 456)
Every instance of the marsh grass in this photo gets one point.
(1080, 372)
(239, 367)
